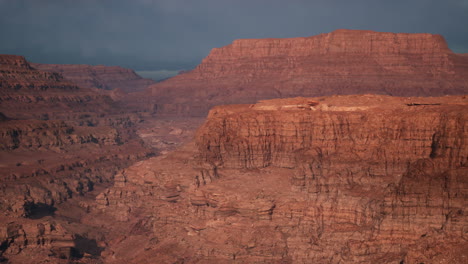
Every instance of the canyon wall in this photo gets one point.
(340, 62)
(58, 141)
(52, 128)
(27, 93)
(99, 76)
(342, 179)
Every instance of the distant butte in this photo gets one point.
(27, 93)
(340, 62)
(99, 76)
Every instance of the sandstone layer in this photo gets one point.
(340, 62)
(343, 179)
(29, 93)
(58, 142)
(99, 76)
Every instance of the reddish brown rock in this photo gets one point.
(31, 236)
(340, 62)
(29, 93)
(99, 76)
(58, 142)
(18, 75)
(358, 179)
(276, 132)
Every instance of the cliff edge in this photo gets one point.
(340, 62)
(355, 179)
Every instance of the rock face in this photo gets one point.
(29, 93)
(343, 179)
(321, 123)
(57, 141)
(100, 76)
(340, 62)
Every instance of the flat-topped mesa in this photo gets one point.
(356, 178)
(99, 76)
(339, 41)
(340, 62)
(369, 128)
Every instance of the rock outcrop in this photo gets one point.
(57, 141)
(340, 62)
(99, 76)
(343, 179)
(27, 93)
(30, 236)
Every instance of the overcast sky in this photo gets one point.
(170, 35)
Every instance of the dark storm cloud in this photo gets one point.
(177, 34)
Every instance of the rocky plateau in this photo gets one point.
(341, 179)
(340, 62)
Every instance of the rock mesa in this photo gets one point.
(340, 62)
(355, 179)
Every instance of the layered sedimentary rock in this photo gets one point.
(58, 141)
(336, 127)
(340, 62)
(38, 234)
(29, 93)
(343, 179)
(99, 76)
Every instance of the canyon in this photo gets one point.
(58, 141)
(346, 147)
(341, 179)
(340, 62)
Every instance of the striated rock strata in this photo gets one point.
(343, 179)
(27, 93)
(58, 142)
(99, 76)
(340, 62)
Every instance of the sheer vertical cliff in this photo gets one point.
(343, 179)
(340, 62)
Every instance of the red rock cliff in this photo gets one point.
(343, 179)
(57, 141)
(101, 77)
(340, 62)
(281, 132)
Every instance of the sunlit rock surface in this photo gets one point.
(340, 62)
(343, 179)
